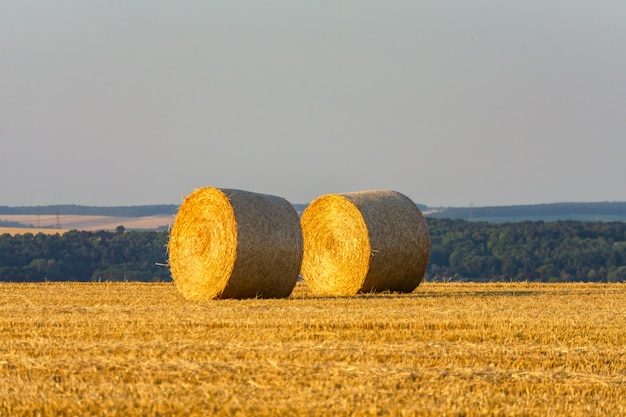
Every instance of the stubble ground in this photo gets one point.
(446, 349)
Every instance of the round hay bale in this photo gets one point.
(235, 244)
(368, 241)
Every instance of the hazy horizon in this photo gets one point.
(471, 205)
(487, 103)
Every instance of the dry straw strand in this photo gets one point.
(367, 241)
(227, 243)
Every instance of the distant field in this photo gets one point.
(447, 349)
(79, 222)
(34, 230)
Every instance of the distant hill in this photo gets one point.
(601, 211)
(116, 211)
(300, 208)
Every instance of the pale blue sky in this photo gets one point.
(140, 102)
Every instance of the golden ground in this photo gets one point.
(34, 230)
(450, 349)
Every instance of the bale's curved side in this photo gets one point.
(269, 247)
(235, 244)
(388, 253)
(399, 240)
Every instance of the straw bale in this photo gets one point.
(368, 241)
(228, 243)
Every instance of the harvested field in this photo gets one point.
(34, 230)
(446, 349)
(79, 222)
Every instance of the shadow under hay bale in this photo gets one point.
(368, 241)
(235, 244)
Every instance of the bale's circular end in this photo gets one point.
(235, 244)
(369, 241)
(203, 244)
(336, 246)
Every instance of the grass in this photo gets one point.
(454, 349)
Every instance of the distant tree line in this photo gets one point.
(5, 223)
(84, 256)
(559, 251)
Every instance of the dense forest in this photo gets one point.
(84, 256)
(558, 251)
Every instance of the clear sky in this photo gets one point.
(131, 102)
